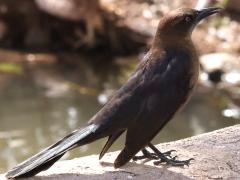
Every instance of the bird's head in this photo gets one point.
(179, 24)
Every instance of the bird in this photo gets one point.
(160, 86)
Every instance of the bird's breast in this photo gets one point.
(172, 83)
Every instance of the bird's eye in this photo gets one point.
(188, 19)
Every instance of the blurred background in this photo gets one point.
(61, 60)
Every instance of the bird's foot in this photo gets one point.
(151, 156)
(172, 161)
(168, 159)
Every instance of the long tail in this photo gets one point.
(50, 155)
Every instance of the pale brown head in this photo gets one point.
(179, 24)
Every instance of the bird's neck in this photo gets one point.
(175, 45)
(171, 42)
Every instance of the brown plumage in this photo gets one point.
(159, 87)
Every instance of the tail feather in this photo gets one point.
(109, 143)
(125, 156)
(40, 168)
(49, 156)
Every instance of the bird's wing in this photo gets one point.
(123, 106)
(126, 104)
(168, 85)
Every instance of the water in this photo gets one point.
(43, 104)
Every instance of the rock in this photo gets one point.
(216, 154)
(224, 61)
(224, 65)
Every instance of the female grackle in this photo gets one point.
(159, 87)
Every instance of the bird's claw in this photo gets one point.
(173, 161)
(161, 157)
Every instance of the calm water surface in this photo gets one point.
(47, 102)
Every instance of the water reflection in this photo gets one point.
(49, 101)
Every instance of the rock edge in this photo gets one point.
(216, 154)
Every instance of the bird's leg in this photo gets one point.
(168, 160)
(146, 155)
(149, 155)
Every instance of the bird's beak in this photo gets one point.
(207, 12)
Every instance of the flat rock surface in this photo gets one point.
(216, 154)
